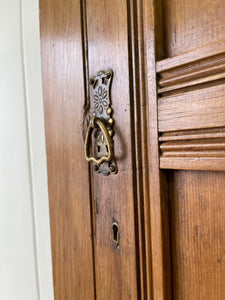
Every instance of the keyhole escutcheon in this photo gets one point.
(115, 232)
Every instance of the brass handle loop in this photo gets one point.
(97, 123)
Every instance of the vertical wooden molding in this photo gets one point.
(158, 215)
(136, 98)
(140, 145)
(116, 268)
(86, 115)
(153, 251)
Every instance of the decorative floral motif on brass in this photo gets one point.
(100, 98)
(103, 123)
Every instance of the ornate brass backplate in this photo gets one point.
(101, 125)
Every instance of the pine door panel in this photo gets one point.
(116, 267)
(190, 24)
(191, 124)
(79, 39)
(197, 234)
(68, 183)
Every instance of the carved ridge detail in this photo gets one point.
(190, 70)
(202, 149)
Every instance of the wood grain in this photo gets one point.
(203, 108)
(196, 134)
(195, 72)
(194, 84)
(192, 24)
(197, 145)
(202, 149)
(158, 206)
(170, 222)
(196, 57)
(63, 84)
(197, 234)
(139, 145)
(191, 137)
(117, 269)
(193, 163)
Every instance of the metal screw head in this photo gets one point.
(92, 81)
(96, 168)
(112, 168)
(108, 74)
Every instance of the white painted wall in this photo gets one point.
(25, 252)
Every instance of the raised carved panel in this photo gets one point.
(204, 108)
(191, 109)
(202, 149)
(192, 70)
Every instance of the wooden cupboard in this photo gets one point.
(167, 199)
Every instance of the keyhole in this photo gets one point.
(107, 148)
(99, 148)
(115, 230)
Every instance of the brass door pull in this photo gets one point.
(97, 123)
(100, 131)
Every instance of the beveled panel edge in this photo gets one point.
(202, 149)
(192, 69)
(191, 56)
